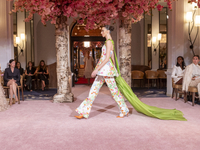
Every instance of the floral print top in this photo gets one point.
(108, 69)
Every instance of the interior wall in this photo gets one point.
(155, 31)
(44, 41)
(6, 34)
(187, 51)
(178, 34)
(147, 20)
(20, 30)
(178, 44)
(136, 43)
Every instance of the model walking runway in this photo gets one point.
(106, 72)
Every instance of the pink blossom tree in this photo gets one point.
(93, 13)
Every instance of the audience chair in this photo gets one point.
(175, 90)
(161, 76)
(22, 89)
(151, 75)
(191, 90)
(18, 89)
(137, 75)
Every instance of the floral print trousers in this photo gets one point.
(85, 107)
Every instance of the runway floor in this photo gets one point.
(44, 125)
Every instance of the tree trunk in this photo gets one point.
(125, 51)
(63, 67)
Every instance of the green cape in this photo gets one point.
(151, 111)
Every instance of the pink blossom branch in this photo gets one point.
(94, 13)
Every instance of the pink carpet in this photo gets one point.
(43, 125)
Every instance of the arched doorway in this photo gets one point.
(82, 41)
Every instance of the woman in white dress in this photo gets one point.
(178, 70)
(89, 67)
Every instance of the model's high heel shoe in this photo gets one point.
(80, 117)
(122, 116)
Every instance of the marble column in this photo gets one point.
(125, 51)
(63, 67)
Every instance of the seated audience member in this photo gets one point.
(18, 66)
(30, 74)
(192, 75)
(178, 70)
(43, 73)
(12, 79)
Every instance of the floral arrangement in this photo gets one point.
(94, 13)
(195, 1)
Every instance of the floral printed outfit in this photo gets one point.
(105, 74)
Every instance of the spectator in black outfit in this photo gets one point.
(12, 79)
(43, 73)
(30, 74)
(18, 66)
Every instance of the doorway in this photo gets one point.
(83, 41)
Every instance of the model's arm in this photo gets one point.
(113, 58)
(100, 65)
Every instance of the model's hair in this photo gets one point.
(108, 27)
(183, 63)
(196, 56)
(43, 67)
